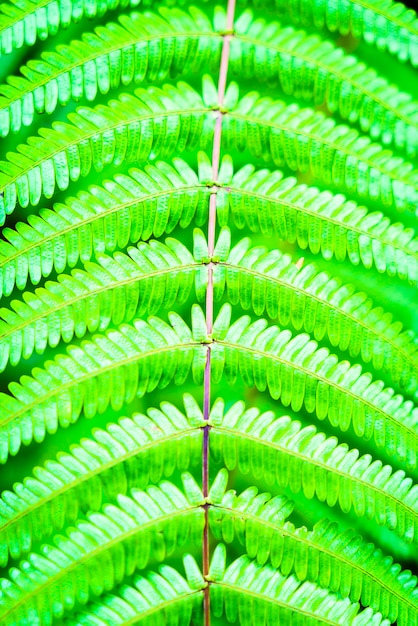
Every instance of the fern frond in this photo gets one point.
(114, 290)
(389, 25)
(253, 593)
(146, 203)
(107, 496)
(159, 596)
(126, 455)
(300, 374)
(23, 22)
(325, 223)
(339, 561)
(110, 370)
(314, 301)
(100, 551)
(302, 139)
(283, 453)
(144, 46)
(315, 69)
(150, 202)
(307, 141)
(152, 122)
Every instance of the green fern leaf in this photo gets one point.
(126, 211)
(156, 596)
(99, 552)
(324, 223)
(288, 455)
(146, 203)
(340, 561)
(388, 25)
(127, 455)
(110, 370)
(251, 593)
(315, 302)
(298, 373)
(307, 141)
(153, 122)
(285, 134)
(101, 532)
(24, 22)
(112, 291)
(142, 47)
(314, 69)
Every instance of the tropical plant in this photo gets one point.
(209, 349)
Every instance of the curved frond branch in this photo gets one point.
(24, 23)
(142, 46)
(146, 203)
(300, 374)
(302, 459)
(296, 371)
(389, 25)
(386, 24)
(99, 552)
(152, 122)
(151, 202)
(315, 69)
(127, 455)
(326, 223)
(341, 561)
(110, 370)
(301, 138)
(154, 46)
(316, 302)
(165, 592)
(307, 141)
(113, 290)
(246, 588)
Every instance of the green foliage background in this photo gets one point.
(382, 274)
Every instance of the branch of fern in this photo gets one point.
(10, 21)
(326, 381)
(333, 146)
(95, 472)
(279, 201)
(374, 8)
(205, 486)
(66, 385)
(97, 131)
(325, 218)
(7, 21)
(282, 530)
(120, 283)
(216, 153)
(91, 555)
(93, 218)
(294, 53)
(357, 320)
(211, 247)
(307, 615)
(312, 461)
(160, 608)
(126, 43)
(41, 82)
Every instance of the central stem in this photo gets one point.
(216, 153)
